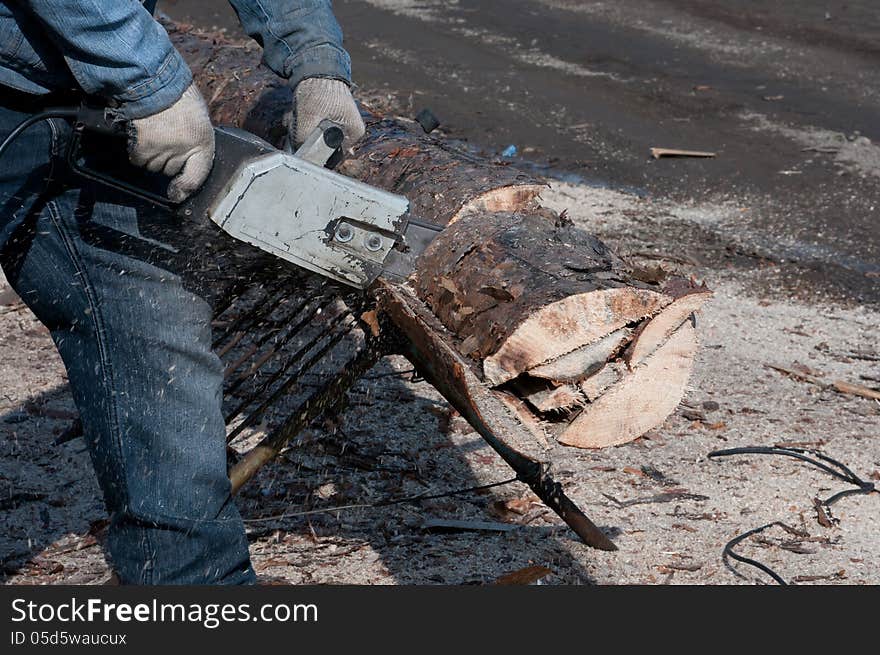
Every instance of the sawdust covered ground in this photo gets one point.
(782, 226)
(669, 507)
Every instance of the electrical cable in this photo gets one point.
(823, 462)
(843, 472)
(32, 120)
(729, 552)
(387, 502)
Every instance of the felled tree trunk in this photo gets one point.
(545, 316)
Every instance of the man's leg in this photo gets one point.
(136, 344)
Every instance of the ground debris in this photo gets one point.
(823, 514)
(649, 274)
(792, 545)
(526, 576)
(673, 567)
(818, 443)
(840, 386)
(666, 497)
(837, 575)
(657, 153)
(658, 476)
(42, 410)
(513, 509)
(14, 500)
(697, 516)
(454, 525)
(692, 414)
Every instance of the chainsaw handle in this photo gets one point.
(323, 147)
(98, 119)
(93, 123)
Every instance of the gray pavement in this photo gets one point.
(786, 95)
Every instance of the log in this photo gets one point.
(560, 330)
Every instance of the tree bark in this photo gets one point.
(559, 330)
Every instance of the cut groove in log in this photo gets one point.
(641, 399)
(585, 361)
(567, 325)
(512, 198)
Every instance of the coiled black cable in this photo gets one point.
(824, 463)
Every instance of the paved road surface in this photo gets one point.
(788, 96)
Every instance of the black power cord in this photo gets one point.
(823, 462)
(819, 460)
(728, 552)
(32, 120)
(387, 501)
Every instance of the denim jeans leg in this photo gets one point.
(136, 345)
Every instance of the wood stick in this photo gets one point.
(657, 153)
(840, 386)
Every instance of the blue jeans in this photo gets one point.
(137, 347)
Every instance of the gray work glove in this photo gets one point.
(319, 98)
(177, 142)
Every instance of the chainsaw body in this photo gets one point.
(290, 205)
(300, 211)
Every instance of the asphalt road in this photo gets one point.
(786, 93)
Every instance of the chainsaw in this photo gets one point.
(289, 204)
(294, 206)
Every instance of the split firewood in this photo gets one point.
(595, 385)
(654, 333)
(568, 339)
(631, 407)
(586, 361)
(547, 397)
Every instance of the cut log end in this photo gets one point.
(618, 387)
(641, 399)
(568, 325)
